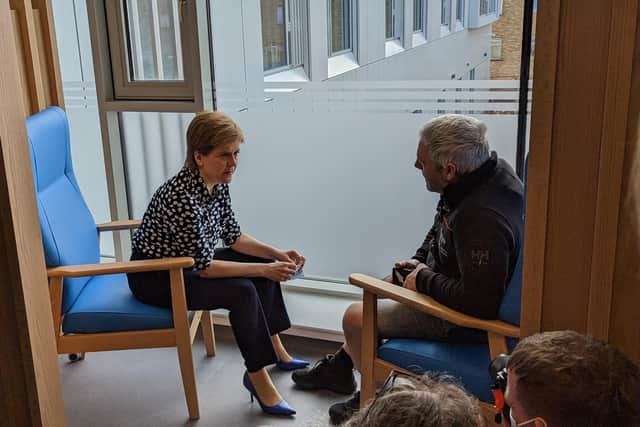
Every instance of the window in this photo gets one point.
(419, 15)
(488, 7)
(341, 28)
(445, 15)
(284, 29)
(393, 16)
(149, 58)
(472, 74)
(460, 5)
(496, 49)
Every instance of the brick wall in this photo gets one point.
(509, 29)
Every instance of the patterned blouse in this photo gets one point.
(184, 219)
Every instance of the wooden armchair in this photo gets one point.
(468, 362)
(92, 306)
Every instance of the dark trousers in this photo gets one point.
(256, 307)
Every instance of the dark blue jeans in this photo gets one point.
(256, 307)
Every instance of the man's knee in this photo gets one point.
(352, 318)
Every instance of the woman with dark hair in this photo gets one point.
(187, 216)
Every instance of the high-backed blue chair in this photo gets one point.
(92, 306)
(467, 362)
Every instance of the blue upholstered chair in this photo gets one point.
(467, 362)
(92, 306)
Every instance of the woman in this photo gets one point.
(187, 215)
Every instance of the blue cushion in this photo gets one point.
(467, 362)
(510, 306)
(68, 230)
(107, 305)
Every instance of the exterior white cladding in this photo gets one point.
(237, 46)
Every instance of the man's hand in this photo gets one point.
(409, 263)
(410, 280)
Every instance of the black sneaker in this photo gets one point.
(341, 412)
(334, 372)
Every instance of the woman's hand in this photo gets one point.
(279, 271)
(291, 256)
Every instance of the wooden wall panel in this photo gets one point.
(625, 314)
(31, 393)
(22, 67)
(38, 54)
(581, 245)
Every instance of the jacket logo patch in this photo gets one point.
(479, 256)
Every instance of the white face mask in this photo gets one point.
(524, 423)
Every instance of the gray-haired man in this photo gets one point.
(465, 261)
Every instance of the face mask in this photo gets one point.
(524, 423)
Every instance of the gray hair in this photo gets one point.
(458, 139)
(428, 401)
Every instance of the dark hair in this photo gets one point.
(209, 130)
(569, 379)
(421, 402)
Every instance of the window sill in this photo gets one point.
(418, 39)
(291, 75)
(392, 47)
(342, 63)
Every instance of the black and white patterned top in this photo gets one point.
(184, 219)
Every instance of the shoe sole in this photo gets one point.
(351, 390)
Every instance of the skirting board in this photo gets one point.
(298, 331)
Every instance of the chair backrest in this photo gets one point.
(69, 232)
(510, 307)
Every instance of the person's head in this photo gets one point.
(420, 402)
(565, 379)
(450, 145)
(213, 144)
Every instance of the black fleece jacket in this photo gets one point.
(473, 246)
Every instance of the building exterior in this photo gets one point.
(506, 41)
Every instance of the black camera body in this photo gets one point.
(399, 274)
(498, 372)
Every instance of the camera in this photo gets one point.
(498, 373)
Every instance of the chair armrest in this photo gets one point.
(120, 267)
(428, 305)
(126, 224)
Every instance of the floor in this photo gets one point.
(144, 388)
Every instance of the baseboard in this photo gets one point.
(298, 331)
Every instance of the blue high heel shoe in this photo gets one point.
(293, 365)
(280, 408)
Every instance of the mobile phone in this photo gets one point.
(399, 274)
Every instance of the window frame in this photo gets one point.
(423, 21)
(300, 48)
(125, 89)
(353, 21)
(461, 13)
(397, 24)
(445, 27)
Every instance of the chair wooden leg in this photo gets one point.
(183, 343)
(208, 334)
(369, 348)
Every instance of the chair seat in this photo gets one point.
(466, 362)
(107, 305)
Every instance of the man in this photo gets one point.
(565, 379)
(465, 261)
